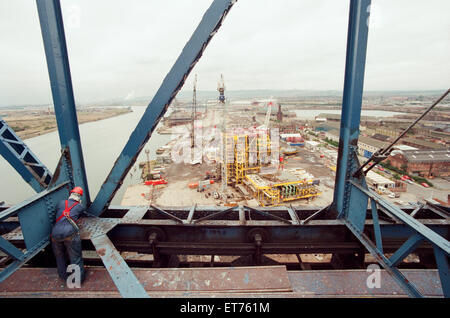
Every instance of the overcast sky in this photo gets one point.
(121, 48)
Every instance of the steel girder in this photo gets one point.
(22, 159)
(213, 225)
(227, 231)
(52, 29)
(351, 196)
(352, 100)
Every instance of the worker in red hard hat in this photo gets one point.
(65, 236)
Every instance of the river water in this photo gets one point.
(102, 143)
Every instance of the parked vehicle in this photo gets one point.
(425, 185)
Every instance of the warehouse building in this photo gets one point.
(424, 163)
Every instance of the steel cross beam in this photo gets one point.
(172, 83)
(21, 158)
(52, 28)
(351, 195)
(96, 229)
(420, 233)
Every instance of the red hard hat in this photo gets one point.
(78, 190)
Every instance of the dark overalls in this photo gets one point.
(66, 241)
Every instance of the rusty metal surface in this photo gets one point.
(123, 277)
(238, 279)
(354, 282)
(91, 227)
(135, 214)
(37, 281)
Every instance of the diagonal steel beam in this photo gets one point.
(324, 209)
(401, 280)
(407, 248)
(172, 83)
(213, 215)
(191, 214)
(405, 218)
(376, 226)
(22, 159)
(269, 215)
(173, 217)
(294, 217)
(123, 277)
(15, 265)
(10, 249)
(52, 29)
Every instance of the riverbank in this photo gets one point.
(32, 123)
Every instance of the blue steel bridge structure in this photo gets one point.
(357, 222)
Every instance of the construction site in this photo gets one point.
(229, 164)
(248, 198)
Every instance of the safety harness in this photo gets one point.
(66, 214)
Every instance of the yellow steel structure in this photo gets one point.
(245, 154)
(272, 194)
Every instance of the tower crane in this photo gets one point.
(221, 89)
(269, 111)
(194, 111)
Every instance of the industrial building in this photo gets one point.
(424, 163)
(422, 144)
(367, 146)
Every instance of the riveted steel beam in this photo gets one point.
(352, 100)
(413, 223)
(52, 29)
(22, 159)
(36, 215)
